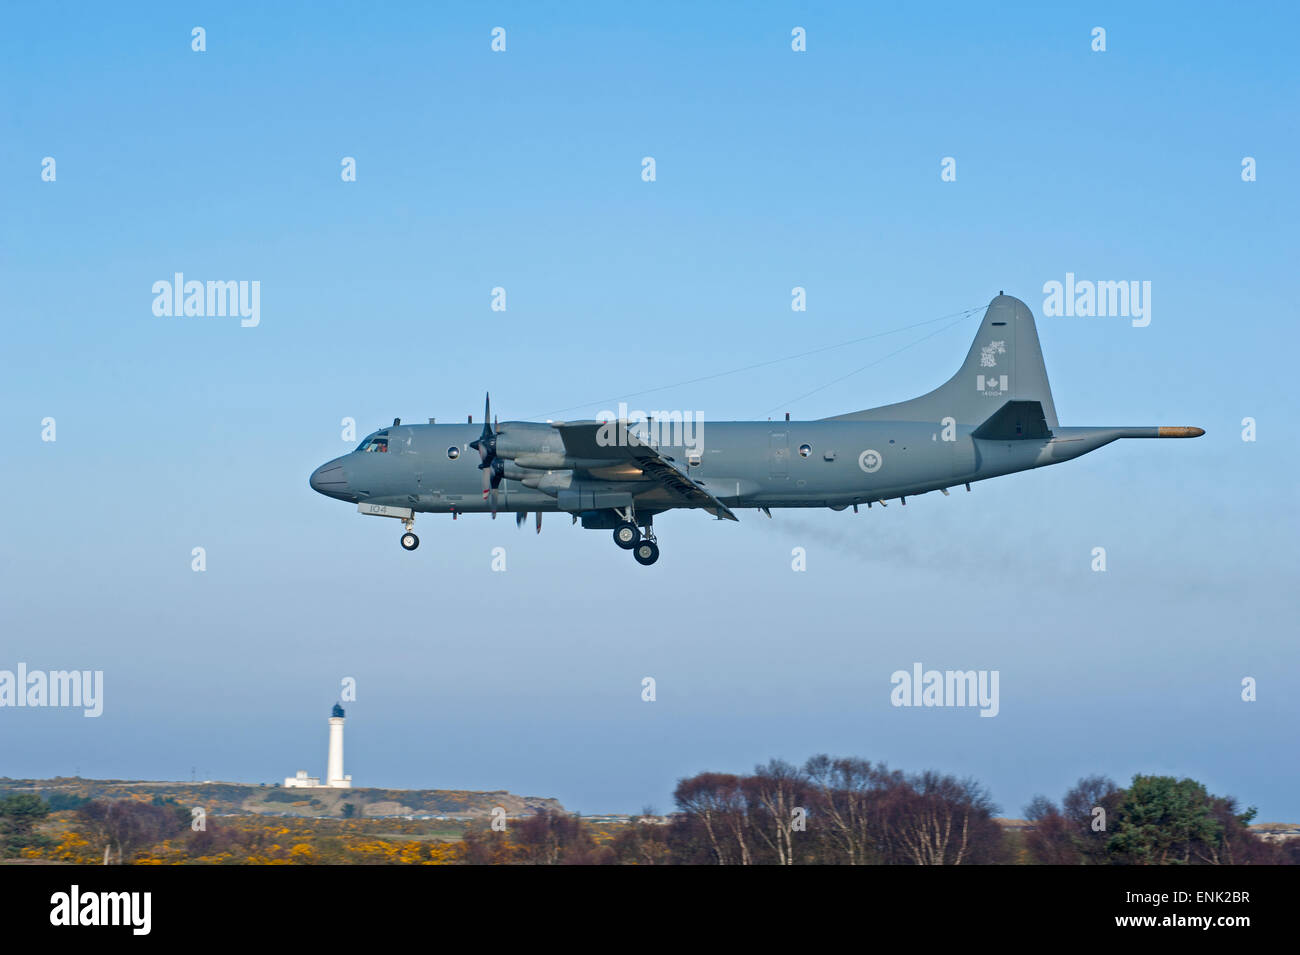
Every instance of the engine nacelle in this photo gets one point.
(539, 447)
(516, 438)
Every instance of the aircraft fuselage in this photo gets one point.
(746, 464)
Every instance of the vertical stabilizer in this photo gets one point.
(1005, 363)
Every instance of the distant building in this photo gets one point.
(334, 778)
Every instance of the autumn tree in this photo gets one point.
(1076, 832)
(845, 796)
(549, 837)
(1050, 841)
(125, 825)
(932, 819)
(717, 801)
(1090, 828)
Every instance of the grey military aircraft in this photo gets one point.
(994, 417)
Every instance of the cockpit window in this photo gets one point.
(376, 442)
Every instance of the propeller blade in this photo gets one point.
(486, 446)
(486, 443)
(539, 522)
(520, 518)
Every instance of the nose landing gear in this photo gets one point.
(409, 540)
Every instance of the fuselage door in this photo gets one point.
(778, 446)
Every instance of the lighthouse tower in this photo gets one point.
(334, 765)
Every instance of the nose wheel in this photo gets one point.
(409, 540)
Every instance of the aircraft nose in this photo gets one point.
(329, 479)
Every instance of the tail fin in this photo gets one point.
(1005, 363)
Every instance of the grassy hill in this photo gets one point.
(219, 798)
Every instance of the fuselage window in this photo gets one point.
(377, 442)
(453, 452)
(805, 450)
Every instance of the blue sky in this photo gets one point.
(522, 169)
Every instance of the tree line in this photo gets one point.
(828, 811)
(849, 811)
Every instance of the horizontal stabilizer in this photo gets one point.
(1015, 421)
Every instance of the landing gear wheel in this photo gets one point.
(626, 535)
(410, 541)
(646, 552)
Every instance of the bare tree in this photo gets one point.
(1079, 809)
(846, 795)
(718, 802)
(1050, 840)
(937, 820)
(773, 793)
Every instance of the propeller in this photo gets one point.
(520, 518)
(486, 446)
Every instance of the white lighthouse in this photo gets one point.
(334, 765)
(334, 777)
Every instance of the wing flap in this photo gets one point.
(612, 442)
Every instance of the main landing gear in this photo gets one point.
(646, 552)
(409, 540)
(629, 536)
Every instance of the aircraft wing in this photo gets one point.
(581, 441)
